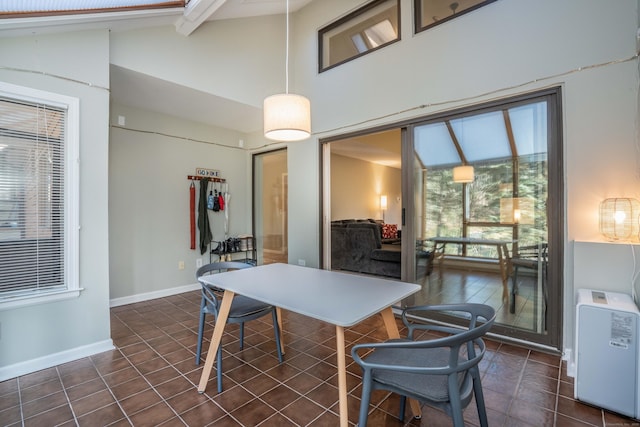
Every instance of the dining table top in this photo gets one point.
(342, 299)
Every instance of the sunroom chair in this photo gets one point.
(243, 309)
(439, 372)
(533, 257)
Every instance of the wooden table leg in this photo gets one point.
(342, 377)
(390, 323)
(392, 331)
(216, 338)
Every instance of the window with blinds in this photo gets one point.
(33, 198)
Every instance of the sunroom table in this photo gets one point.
(504, 260)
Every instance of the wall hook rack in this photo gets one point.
(212, 179)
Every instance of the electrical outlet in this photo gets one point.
(180, 265)
(302, 262)
(198, 262)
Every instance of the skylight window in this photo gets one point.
(381, 33)
(44, 7)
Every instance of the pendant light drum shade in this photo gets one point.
(287, 117)
(463, 174)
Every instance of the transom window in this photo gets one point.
(429, 13)
(371, 27)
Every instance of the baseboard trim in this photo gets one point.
(50, 360)
(116, 302)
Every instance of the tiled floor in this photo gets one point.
(458, 285)
(150, 380)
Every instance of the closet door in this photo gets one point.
(270, 206)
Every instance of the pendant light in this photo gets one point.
(463, 174)
(287, 117)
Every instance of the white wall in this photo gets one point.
(239, 59)
(149, 161)
(242, 60)
(356, 186)
(35, 337)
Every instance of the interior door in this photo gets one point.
(271, 206)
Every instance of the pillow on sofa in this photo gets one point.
(389, 231)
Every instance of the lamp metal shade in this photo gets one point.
(463, 174)
(619, 218)
(287, 117)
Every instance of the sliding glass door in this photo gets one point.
(486, 183)
(474, 199)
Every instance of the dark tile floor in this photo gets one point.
(150, 380)
(483, 287)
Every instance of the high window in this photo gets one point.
(429, 13)
(38, 196)
(371, 27)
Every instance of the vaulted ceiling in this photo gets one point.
(18, 18)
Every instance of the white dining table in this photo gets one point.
(341, 299)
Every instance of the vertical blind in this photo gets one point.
(32, 235)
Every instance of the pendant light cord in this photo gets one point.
(286, 60)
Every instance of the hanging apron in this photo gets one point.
(192, 214)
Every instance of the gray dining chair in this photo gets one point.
(243, 309)
(441, 372)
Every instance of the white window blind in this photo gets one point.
(32, 198)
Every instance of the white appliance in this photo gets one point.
(607, 336)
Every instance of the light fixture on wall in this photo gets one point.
(463, 174)
(619, 218)
(383, 205)
(287, 117)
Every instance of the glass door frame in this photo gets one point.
(258, 206)
(556, 207)
(555, 215)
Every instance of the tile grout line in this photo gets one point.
(66, 395)
(20, 401)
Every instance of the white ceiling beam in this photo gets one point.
(196, 12)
